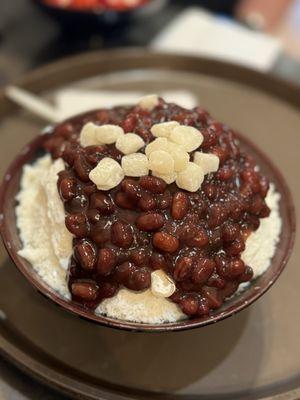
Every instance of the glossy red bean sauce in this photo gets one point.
(120, 236)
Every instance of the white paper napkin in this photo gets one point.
(73, 101)
(200, 33)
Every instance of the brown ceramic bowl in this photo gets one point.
(257, 288)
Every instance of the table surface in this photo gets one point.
(25, 45)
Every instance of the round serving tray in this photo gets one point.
(251, 355)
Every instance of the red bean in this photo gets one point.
(211, 294)
(247, 275)
(78, 204)
(89, 188)
(103, 203)
(180, 205)
(78, 224)
(64, 130)
(106, 261)
(220, 152)
(236, 247)
(93, 215)
(94, 154)
(85, 290)
(129, 123)
(158, 261)
(183, 268)
(123, 272)
(132, 189)
(202, 270)
(140, 279)
(190, 304)
(147, 202)
(100, 232)
(217, 214)
(82, 168)
(123, 201)
(121, 234)
(251, 178)
(153, 184)
(150, 222)
(86, 254)
(67, 188)
(165, 242)
(140, 257)
(107, 289)
(164, 200)
(230, 231)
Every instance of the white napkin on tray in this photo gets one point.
(71, 101)
(198, 32)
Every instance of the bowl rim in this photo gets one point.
(22, 158)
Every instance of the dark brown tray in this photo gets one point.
(251, 355)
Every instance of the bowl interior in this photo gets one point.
(10, 188)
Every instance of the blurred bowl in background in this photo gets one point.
(87, 17)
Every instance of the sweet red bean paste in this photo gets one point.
(143, 224)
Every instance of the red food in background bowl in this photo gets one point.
(83, 5)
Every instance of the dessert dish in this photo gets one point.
(149, 213)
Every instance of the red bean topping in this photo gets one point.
(264, 185)
(164, 200)
(89, 188)
(153, 184)
(158, 261)
(202, 270)
(78, 204)
(123, 272)
(107, 289)
(144, 224)
(220, 152)
(106, 261)
(211, 294)
(150, 222)
(217, 214)
(230, 231)
(64, 130)
(129, 123)
(102, 203)
(86, 254)
(121, 234)
(180, 205)
(183, 268)
(203, 308)
(211, 191)
(94, 216)
(123, 201)
(85, 290)
(78, 224)
(247, 275)
(132, 189)
(94, 154)
(67, 188)
(165, 242)
(147, 202)
(216, 281)
(225, 173)
(190, 304)
(236, 247)
(82, 168)
(251, 177)
(140, 279)
(194, 236)
(140, 257)
(100, 232)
